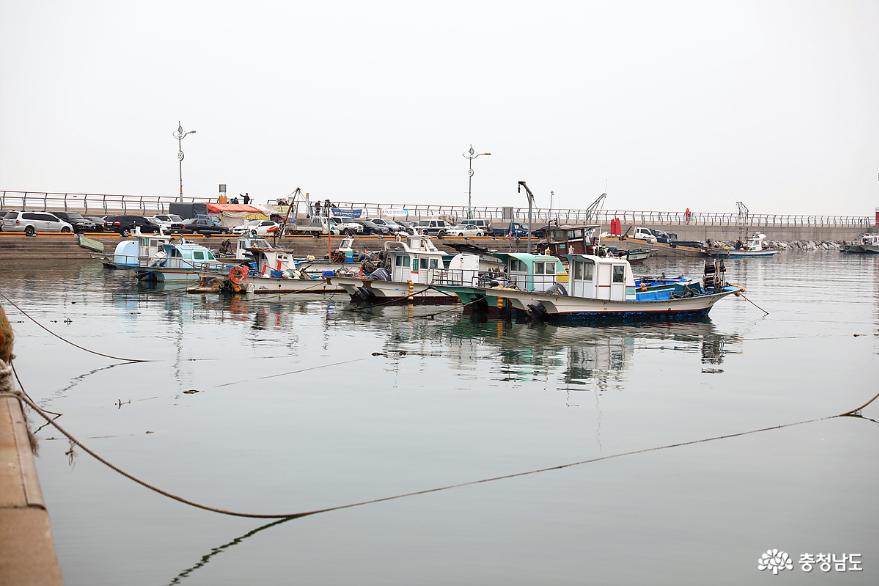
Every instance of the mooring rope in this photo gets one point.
(65, 340)
(298, 514)
(741, 294)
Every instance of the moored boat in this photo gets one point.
(867, 244)
(605, 287)
(754, 247)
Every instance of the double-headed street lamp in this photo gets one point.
(180, 134)
(470, 155)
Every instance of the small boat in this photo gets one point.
(137, 252)
(867, 244)
(604, 287)
(271, 271)
(411, 265)
(179, 261)
(754, 247)
(483, 290)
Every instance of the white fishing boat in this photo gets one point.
(263, 269)
(755, 246)
(412, 264)
(604, 287)
(867, 244)
(179, 261)
(137, 252)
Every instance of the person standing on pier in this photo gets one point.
(246, 198)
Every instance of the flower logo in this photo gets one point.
(775, 560)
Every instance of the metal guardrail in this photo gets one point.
(98, 203)
(92, 203)
(574, 216)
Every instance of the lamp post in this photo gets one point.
(470, 155)
(180, 134)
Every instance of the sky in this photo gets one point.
(663, 105)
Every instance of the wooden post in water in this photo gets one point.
(410, 292)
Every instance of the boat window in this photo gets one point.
(578, 270)
(619, 274)
(423, 263)
(211, 256)
(433, 263)
(588, 269)
(414, 264)
(550, 268)
(197, 255)
(538, 268)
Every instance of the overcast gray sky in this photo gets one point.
(669, 104)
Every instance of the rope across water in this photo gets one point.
(21, 396)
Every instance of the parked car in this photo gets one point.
(169, 222)
(347, 227)
(79, 223)
(32, 222)
(662, 236)
(98, 221)
(370, 227)
(483, 225)
(391, 225)
(258, 227)
(431, 227)
(465, 230)
(126, 225)
(204, 225)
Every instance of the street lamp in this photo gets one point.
(470, 155)
(180, 134)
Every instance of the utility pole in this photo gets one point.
(470, 155)
(180, 134)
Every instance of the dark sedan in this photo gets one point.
(204, 226)
(79, 222)
(126, 225)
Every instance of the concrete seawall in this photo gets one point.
(27, 551)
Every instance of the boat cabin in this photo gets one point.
(755, 242)
(869, 239)
(534, 272)
(245, 246)
(273, 262)
(413, 258)
(572, 239)
(183, 255)
(595, 277)
(138, 251)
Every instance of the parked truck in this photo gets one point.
(514, 229)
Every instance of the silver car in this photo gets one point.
(32, 222)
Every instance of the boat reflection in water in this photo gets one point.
(562, 357)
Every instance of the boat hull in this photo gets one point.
(364, 290)
(739, 254)
(269, 286)
(568, 308)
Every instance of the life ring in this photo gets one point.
(238, 275)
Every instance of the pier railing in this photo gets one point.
(93, 203)
(541, 216)
(105, 203)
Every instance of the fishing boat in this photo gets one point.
(867, 244)
(605, 287)
(754, 247)
(137, 252)
(482, 290)
(180, 260)
(263, 269)
(410, 266)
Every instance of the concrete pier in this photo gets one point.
(27, 551)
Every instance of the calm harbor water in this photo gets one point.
(302, 404)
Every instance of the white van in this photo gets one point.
(32, 222)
